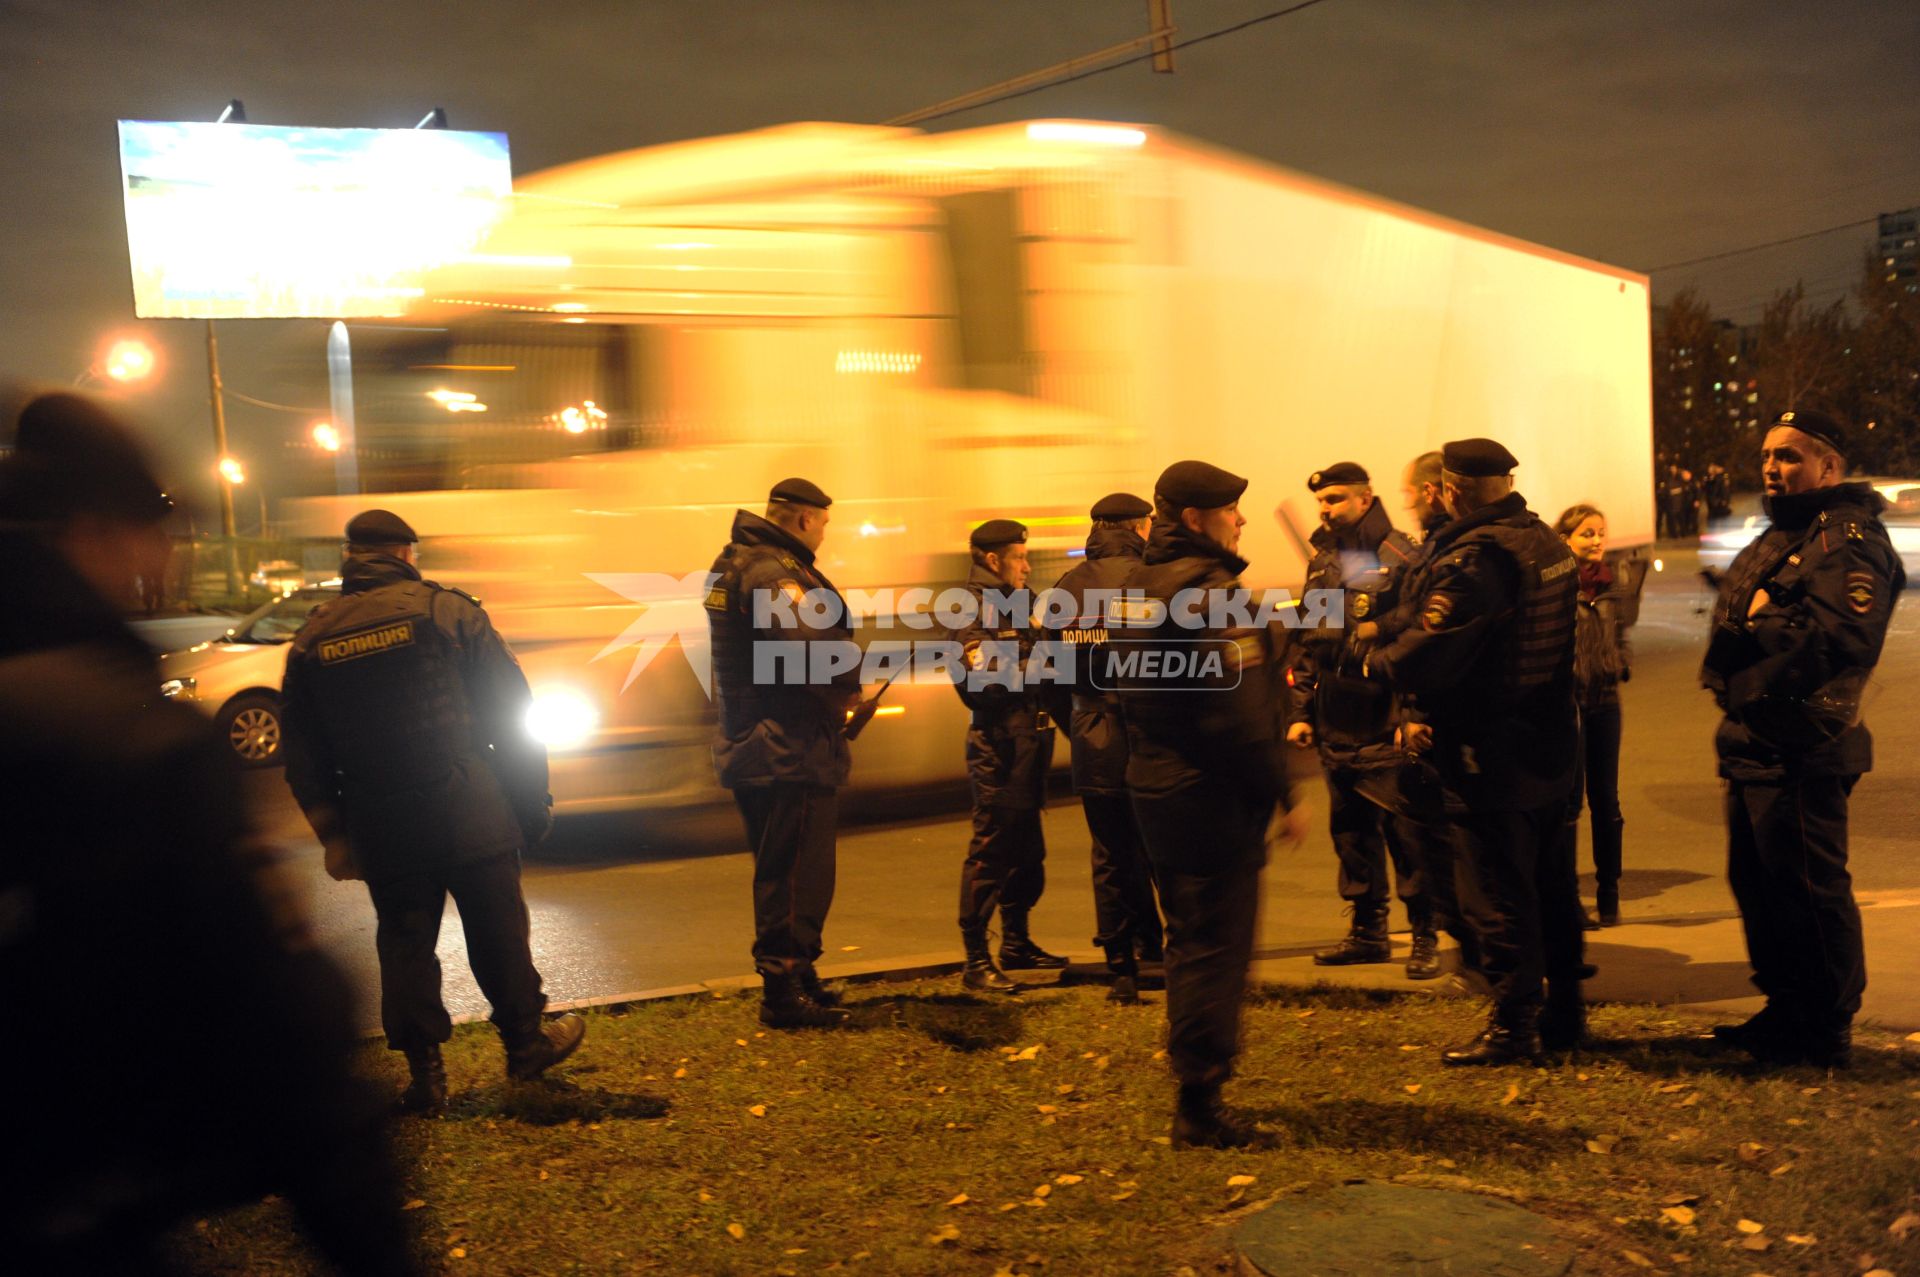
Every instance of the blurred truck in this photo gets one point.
(938, 329)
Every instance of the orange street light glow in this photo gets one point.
(231, 470)
(129, 360)
(326, 436)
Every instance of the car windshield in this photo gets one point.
(280, 620)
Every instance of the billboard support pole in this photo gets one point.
(346, 462)
(220, 454)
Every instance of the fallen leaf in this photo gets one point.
(1010, 1206)
(1673, 1088)
(1690, 1101)
(1810, 1090)
(1408, 1047)
(1781, 1169)
(1065, 1088)
(1240, 1181)
(1802, 1239)
(1756, 1242)
(1068, 1179)
(1047, 1108)
(705, 1196)
(1043, 1190)
(849, 948)
(1635, 1258)
(1122, 1196)
(679, 1072)
(1602, 1144)
(758, 1110)
(959, 1199)
(1879, 1272)
(1413, 1088)
(1103, 1062)
(1513, 1093)
(1680, 1215)
(1027, 1054)
(1680, 1199)
(736, 1231)
(458, 1252)
(739, 1041)
(1904, 1226)
(1750, 1227)
(939, 1090)
(543, 1175)
(943, 1234)
(1304, 1014)
(415, 1204)
(1913, 1037)
(1750, 1150)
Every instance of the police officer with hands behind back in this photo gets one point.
(1009, 751)
(783, 743)
(1489, 656)
(1798, 628)
(1359, 555)
(407, 748)
(1207, 772)
(1123, 899)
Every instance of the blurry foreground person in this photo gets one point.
(404, 722)
(1798, 628)
(1208, 780)
(188, 1049)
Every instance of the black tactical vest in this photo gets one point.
(1540, 650)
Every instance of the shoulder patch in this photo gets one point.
(717, 597)
(1860, 592)
(1359, 604)
(1436, 610)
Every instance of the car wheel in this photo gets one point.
(251, 725)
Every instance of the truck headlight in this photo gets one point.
(178, 687)
(561, 718)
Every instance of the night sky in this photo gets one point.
(1636, 132)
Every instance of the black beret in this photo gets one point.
(995, 533)
(1477, 458)
(799, 492)
(1199, 485)
(1120, 506)
(379, 527)
(1817, 424)
(1338, 472)
(71, 456)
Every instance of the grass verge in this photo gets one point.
(954, 1134)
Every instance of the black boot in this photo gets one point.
(1607, 901)
(545, 1047)
(1509, 1038)
(1563, 1025)
(784, 1004)
(1201, 1121)
(981, 972)
(1150, 949)
(426, 1093)
(1124, 987)
(1768, 1030)
(1366, 939)
(1424, 962)
(815, 991)
(1018, 952)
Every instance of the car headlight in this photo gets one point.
(178, 687)
(561, 718)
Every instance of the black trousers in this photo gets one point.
(1006, 864)
(1787, 865)
(1123, 899)
(1519, 893)
(1599, 787)
(493, 914)
(1207, 845)
(791, 830)
(1364, 836)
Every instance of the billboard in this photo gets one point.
(240, 221)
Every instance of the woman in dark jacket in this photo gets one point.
(1600, 665)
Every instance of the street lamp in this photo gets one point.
(233, 474)
(326, 436)
(126, 361)
(232, 471)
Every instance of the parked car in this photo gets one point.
(279, 575)
(236, 677)
(1720, 544)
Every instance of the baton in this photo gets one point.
(860, 715)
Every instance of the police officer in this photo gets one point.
(222, 1062)
(1360, 559)
(1124, 908)
(1207, 774)
(404, 727)
(783, 749)
(1798, 628)
(1490, 659)
(1009, 751)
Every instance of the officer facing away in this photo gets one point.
(1207, 774)
(1124, 909)
(1009, 751)
(1359, 555)
(404, 721)
(1798, 628)
(1490, 658)
(783, 749)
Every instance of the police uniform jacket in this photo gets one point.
(1010, 737)
(1790, 674)
(1225, 726)
(1099, 728)
(1352, 717)
(784, 727)
(1489, 656)
(404, 721)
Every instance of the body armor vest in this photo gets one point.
(1541, 651)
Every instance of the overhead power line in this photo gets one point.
(1115, 66)
(1772, 243)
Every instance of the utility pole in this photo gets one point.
(1159, 39)
(234, 113)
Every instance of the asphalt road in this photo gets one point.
(646, 907)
